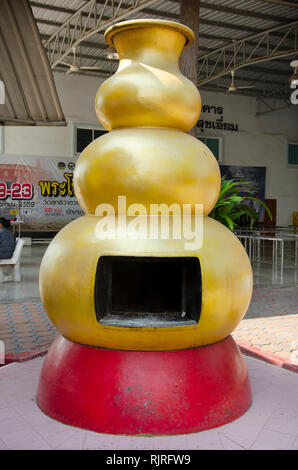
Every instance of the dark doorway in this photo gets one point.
(147, 291)
(271, 203)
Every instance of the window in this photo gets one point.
(293, 154)
(215, 145)
(84, 135)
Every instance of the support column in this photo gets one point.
(189, 16)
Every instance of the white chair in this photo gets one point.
(10, 269)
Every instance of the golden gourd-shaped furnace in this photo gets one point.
(145, 322)
(148, 106)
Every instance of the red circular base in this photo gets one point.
(135, 392)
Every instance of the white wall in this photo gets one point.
(77, 96)
(260, 141)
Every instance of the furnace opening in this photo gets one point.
(148, 291)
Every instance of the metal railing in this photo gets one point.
(254, 242)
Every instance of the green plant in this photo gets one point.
(231, 203)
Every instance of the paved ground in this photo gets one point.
(270, 423)
(25, 328)
(271, 325)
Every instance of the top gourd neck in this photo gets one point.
(149, 39)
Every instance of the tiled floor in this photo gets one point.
(271, 422)
(271, 323)
(25, 327)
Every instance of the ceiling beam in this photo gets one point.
(56, 24)
(264, 80)
(260, 70)
(203, 6)
(283, 3)
(85, 28)
(204, 21)
(266, 71)
(174, 16)
(201, 35)
(238, 55)
(255, 80)
(103, 47)
(89, 44)
(63, 68)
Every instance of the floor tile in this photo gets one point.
(3, 446)
(230, 444)
(295, 444)
(16, 440)
(98, 441)
(268, 440)
(284, 420)
(204, 440)
(241, 432)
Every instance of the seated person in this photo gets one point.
(7, 239)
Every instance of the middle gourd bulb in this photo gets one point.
(148, 166)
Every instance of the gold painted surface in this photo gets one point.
(67, 278)
(148, 166)
(150, 162)
(148, 89)
(148, 23)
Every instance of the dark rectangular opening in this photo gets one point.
(84, 138)
(147, 291)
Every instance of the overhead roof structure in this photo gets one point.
(256, 38)
(30, 95)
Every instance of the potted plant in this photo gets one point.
(231, 205)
